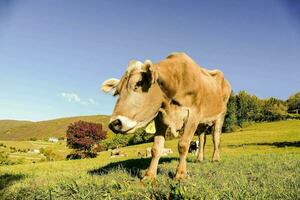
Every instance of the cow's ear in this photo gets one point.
(110, 85)
(151, 71)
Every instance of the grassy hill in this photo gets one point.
(8, 124)
(259, 162)
(23, 130)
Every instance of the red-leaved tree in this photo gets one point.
(83, 136)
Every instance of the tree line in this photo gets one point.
(244, 108)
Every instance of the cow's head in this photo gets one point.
(139, 97)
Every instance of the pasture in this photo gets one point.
(261, 161)
(27, 154)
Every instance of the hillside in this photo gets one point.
(7, 124)
(23, 130)
(259, 162)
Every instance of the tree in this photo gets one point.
(274, 109)
(293, 103)
(254, 109)
(230, 121)
(242, 102)
(82, 136)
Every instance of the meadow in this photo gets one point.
(26, 149)
(261, 161)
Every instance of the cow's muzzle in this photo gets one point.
(122, 124)
(116, 126)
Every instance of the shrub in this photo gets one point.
(4, 160)
(118, 140)
(82, 136)
(140, 136)
(80, 155)
(49, 154)
(61, 138)
(33, 139)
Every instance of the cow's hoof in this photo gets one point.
(180, 176)
(215, 160)
(199, 160)
(216, 157)
(149, 176)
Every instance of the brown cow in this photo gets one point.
(179, 95)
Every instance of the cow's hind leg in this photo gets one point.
(202, 141)
(156, 152)
(216, 138)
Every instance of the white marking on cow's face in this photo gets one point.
(127, 124)
(134, 64)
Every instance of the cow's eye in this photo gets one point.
(139, 84)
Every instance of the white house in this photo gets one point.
(35, 151)
(53, 139)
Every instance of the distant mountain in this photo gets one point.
(24, 130)
(7, 124)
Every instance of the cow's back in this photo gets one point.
(194, 86)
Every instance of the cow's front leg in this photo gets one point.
(156, 152)
(183, 147)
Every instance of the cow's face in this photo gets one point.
(139, 97)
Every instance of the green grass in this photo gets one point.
(8, 124)
(59, 149)
(260, 162)
(19, 130)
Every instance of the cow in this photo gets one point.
(179, 95)
(194, 146)
(164, 152)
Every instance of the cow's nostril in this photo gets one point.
(115, 125)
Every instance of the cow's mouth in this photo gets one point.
(140, 124)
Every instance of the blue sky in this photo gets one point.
(55, 54)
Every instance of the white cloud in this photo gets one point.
(91, 101)
(73, 97)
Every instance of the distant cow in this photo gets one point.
(117, 153)
(194, 145)
(179, 95)
(165, 152)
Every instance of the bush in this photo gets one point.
(49, 154)
(4, 160)
(118, 140)
(140, 136)
(80, 155)
(33, 139)
(61, 138)
(82, 136)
